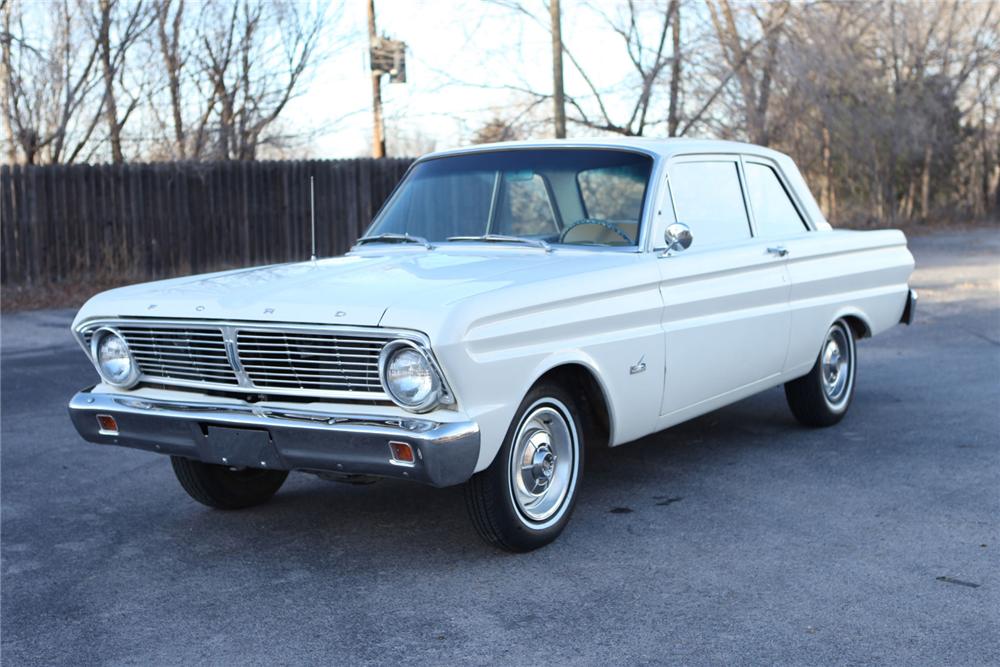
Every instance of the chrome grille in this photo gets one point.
(190, 354)
(329, 361)
(309, 360)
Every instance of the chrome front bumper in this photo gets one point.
(233, 434)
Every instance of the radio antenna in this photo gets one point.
(312, 215)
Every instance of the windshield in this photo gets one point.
(571, 196)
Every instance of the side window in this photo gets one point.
(772, 208)
(709, 200)
(524, 208)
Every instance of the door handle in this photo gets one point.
(780, 251)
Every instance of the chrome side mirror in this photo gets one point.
(678, 237)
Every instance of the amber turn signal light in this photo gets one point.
(401, 452)
(108, 424)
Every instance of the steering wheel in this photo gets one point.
(594, 221)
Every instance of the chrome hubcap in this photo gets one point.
(542, 463)
(836, 364)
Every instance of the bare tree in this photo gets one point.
(184, 87)
(78, 82)
(116, 28)
(409, 143)
(6, 94)
(169, 22)
(498, 128)
(657, 64)
(673, 117)
(49, 77)
(935, 51)
(251, 80)
(649, 62)
(882, 103)
(590, 107)
(753, 68)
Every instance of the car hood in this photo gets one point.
(354, 289)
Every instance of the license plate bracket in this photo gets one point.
(240, 447)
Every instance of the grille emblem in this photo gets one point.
(233, 356)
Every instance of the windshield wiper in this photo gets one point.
(504, 238)
(394, 238)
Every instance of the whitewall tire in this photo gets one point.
(525, 498)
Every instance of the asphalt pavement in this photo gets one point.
(737, 538)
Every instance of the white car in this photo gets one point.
(509, 304)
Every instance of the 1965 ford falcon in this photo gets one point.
(509, 305)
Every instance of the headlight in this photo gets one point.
(113, 359)
(409, 377)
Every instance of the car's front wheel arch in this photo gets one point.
(590, 396)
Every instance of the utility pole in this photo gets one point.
(557, 71)
(378, 136)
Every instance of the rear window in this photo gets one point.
(774, 212)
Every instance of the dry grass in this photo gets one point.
(68, 294)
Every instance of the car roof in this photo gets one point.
(667, 148)
(662, 147)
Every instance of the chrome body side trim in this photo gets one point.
(446, 452)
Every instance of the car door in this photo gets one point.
(726, 298)
(779, 220)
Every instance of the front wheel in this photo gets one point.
(822, 397)
(525, 498)
(227, 488)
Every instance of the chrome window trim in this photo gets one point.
(229, 329)
(793, 196)
(736, 159)
(645, 220)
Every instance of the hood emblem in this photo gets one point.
(339, 313)
(269, 311)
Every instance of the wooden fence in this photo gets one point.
(145, 221)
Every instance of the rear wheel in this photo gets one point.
(227, 488)
(822, 397)
(525, 498)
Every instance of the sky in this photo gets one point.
(460, 57)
